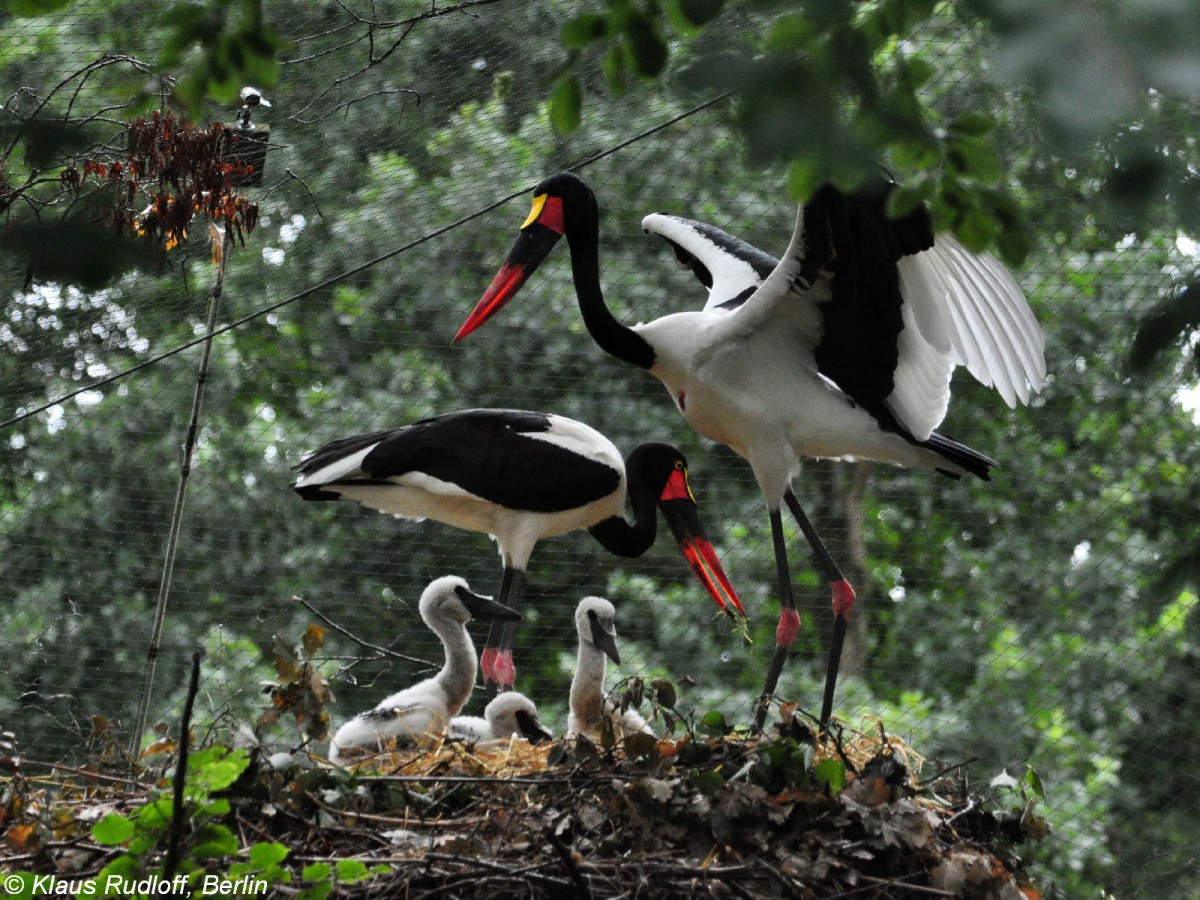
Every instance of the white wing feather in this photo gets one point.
(970, 310)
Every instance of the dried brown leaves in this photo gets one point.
(170, 172)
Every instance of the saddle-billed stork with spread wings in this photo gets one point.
(843, 350)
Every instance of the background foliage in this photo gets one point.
(1045, 619)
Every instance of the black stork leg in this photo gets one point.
(499, 673)
(789, 621)
(843, 602)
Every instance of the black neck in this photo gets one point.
(616, 535)
(614, 338)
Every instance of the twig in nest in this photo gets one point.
(568, 863)
(175, 833)
(366, 645)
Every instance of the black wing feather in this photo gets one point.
(856, 243)
(486, 452)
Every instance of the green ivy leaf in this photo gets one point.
(316, 872)
(113, 830)
(830, 774)
(266, 855)
(351, 870)
(213, 840)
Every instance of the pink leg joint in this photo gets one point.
(788, 628)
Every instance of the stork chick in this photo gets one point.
(594, 621)
(507, 715)
(410, 716)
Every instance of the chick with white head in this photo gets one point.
(509, 715)
(417, 714)
(594, 621)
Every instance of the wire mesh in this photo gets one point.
(1027, 621)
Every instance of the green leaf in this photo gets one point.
(707, 782)
(124, 867)
(316, 871)
(1035, 783)
(566, 103)
(156, 815)
(700, 12)
(216, 768)
(36, 7)
(583, 30)
(214, 809)
(830, 774)
(972, 123)
(803, 179)
(790, 34)
(917, 73)
(113, 830)
(615, 67)
(976, 230)
(268, 854)
(908, 197)
(20, 885)
(647, 49)
(714, 723)
(212, 840)
(351, 870)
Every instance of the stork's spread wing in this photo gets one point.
(886, 309)
(729, 267)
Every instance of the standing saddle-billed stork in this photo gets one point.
(844, 349)
(519, 477)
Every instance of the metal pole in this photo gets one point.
(189, 446)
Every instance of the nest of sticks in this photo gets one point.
(784, 814)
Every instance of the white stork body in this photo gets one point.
(417, 714)
(842, 349)
(736, 404)
(519, 477)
